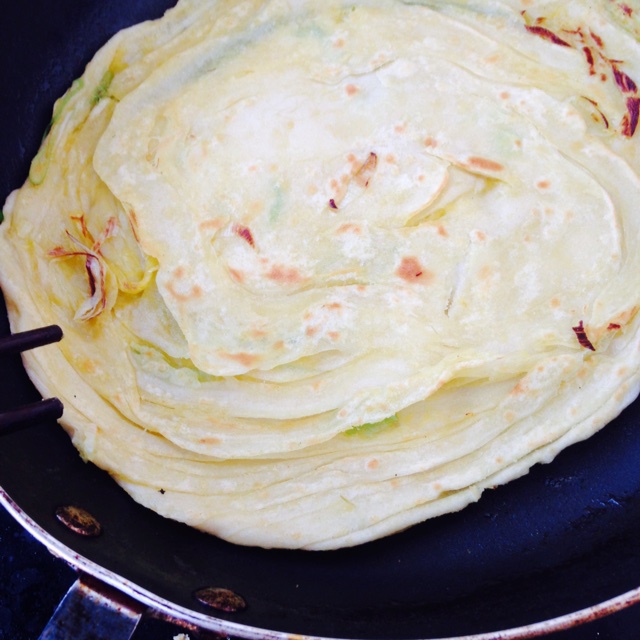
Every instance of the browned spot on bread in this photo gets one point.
(485, 272)
(351, 89)
(373, 463)
(194, 292)
(286, 275)
(209, 440)
(624, 317)
(245, 359)
(411, 270)
(236, 275)
(334, 335)
(311, 331)
(211, 224)
(349, 227)
(543, 184)
(485, 164)
(519, 389)
(430, 142)
(133, 223)
(332, 305)
(86, 365)
(442, 231)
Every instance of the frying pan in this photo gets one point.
(556, 547)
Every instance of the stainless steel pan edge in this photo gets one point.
(185, 617)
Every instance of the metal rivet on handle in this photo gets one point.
(79, 521)
(221, 599)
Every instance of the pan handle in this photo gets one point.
(93, 611)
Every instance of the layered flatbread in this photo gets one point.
(327, 270)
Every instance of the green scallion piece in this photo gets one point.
(40, 164)
(102, 88)
(372, 428)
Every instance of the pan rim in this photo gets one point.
(183, 616)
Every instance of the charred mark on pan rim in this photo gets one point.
(78, 520)
(220, 599)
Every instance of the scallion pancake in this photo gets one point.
(327, 270)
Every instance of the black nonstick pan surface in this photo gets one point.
(560, 540)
